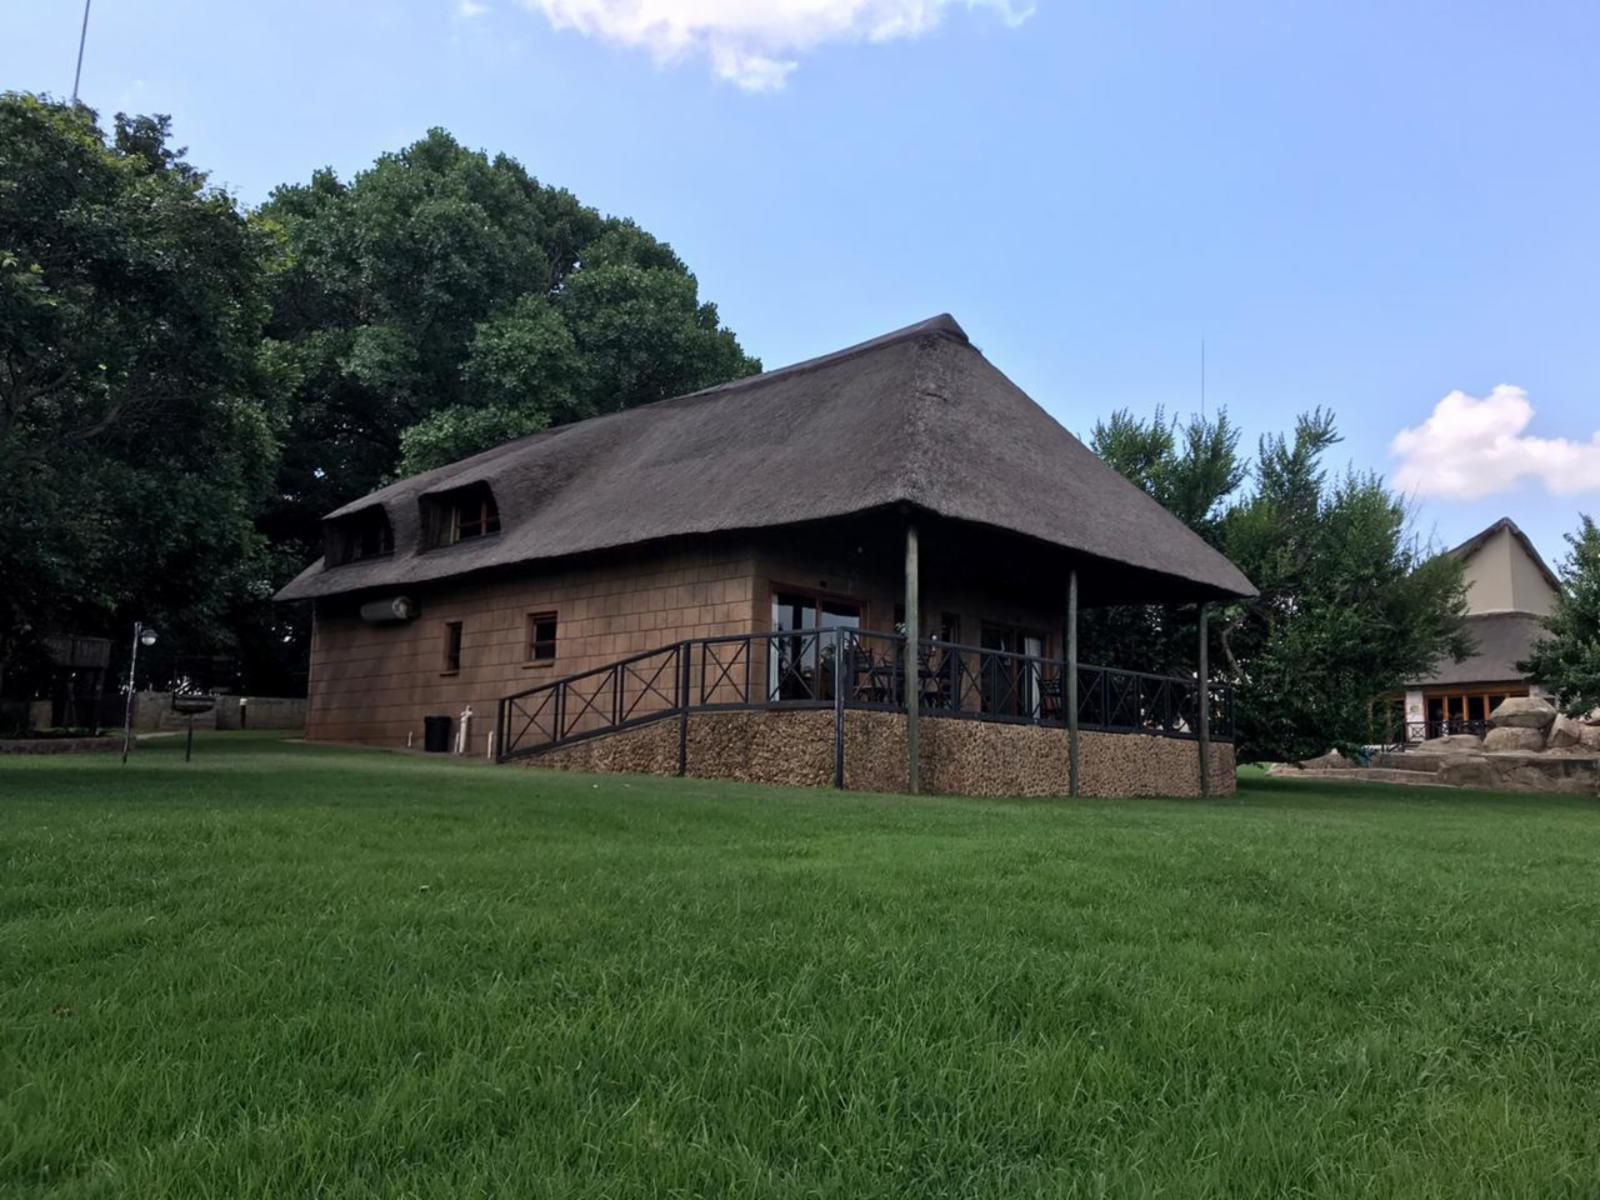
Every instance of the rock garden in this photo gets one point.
(1529, 747)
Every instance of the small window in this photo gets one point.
(542, 637)
(363, 535)
(476, 517)
(459, 516)
(452, 647)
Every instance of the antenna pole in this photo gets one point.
(83, 36)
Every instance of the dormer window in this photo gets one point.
(460, 516)
(359, 536)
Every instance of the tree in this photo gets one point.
(1350, 604)
(133, 446)
(443, 302)
(1192, 472)
(1567, 658)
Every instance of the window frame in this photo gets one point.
(457, 515)
(454, 637)
(345, 539)
(1455, 704)
(531, 642)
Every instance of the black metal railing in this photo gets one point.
(846, 668)
(1421, 731)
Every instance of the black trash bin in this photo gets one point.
(436, 735)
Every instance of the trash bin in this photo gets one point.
(436, 735)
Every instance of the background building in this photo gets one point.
(1509, 588)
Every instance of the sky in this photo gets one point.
(1391, 211)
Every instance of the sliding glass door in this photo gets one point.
(1012, 686)
(798, 662)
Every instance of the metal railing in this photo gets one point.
(1420, 731)
(845, 668)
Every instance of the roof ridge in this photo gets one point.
(943, 324)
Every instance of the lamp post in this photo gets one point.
(142, 636)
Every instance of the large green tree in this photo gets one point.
(1193, 470)
(1567, 658)
(134, 450)
(1350, 604)
(444, 301)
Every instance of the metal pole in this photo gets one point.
(188, 744)
(910, 679)
(83, 36)
(1070, 692)
(1205, 709)
(127, 711)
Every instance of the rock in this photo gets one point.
(1514, 737)
(1589, 737)
(1453, 743)
(1564, 734)
(1331, 761)
(1523, 773)
(1467, 771)
(1524, 712)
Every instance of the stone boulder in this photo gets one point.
(1589, 737)
(1523, 773)
(1513, 737)
(1565, 733)
(1453, 743)
(1523, 712)
(1467, 771)
(1331, 761)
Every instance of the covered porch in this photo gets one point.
(904, 613)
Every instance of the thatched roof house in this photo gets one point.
(750, 516)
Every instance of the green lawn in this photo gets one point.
(286, 971)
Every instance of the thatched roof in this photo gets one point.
(917, 419)
(1503, 640)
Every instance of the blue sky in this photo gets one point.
(1357, 205)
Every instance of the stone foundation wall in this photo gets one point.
(959, 758)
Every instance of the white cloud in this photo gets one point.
(467, 9)
(754, 44)
(1469, 448)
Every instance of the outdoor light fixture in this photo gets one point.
(143, 635)
(384, 612)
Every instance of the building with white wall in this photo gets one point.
(1509, 588)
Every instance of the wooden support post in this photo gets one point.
(910, 677)
(838, 707)
(1069, 692)
(684, 652)
(1205, 708)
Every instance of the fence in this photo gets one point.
(846, 668)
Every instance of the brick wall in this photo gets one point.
(375, 683)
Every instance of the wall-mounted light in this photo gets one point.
(387, 612)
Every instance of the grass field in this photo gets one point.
(286, 971)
